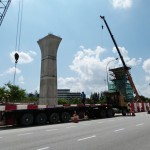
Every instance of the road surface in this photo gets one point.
(118, 133)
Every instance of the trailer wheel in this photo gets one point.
(103, 113)
(27, 119)
(90, 114)
(81, 114)
(54, 118)
(65, 117)
(110, 113)
(41, 119)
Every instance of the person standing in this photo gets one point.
(83, 97)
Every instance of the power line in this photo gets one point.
(18, 36)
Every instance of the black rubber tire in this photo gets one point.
(54, 118)
(110, 113)
(27, 119)
(102, 113)
(81, 114)
(90, 114)
(65, 117)
(124, 112)
(41, 119)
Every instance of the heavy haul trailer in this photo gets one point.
(28, 115)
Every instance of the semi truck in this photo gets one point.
(32, 114)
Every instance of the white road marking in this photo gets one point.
(1, 137)
(86, 124)
(43, 148)
(86, 138)
(51, 130)
(110, 120)
(140, 124)
(119, 130)
(101, 122)
(24, 134)
(71, 127)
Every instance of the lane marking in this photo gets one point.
(86, 138)
(86, 124)
(71, 127)
(43, 148)
(110, 120)
(1, 137)
(119, 130)
(101, 122)
(140, 124)
(51, 130)
(24, 134)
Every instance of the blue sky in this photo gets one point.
(85, 49)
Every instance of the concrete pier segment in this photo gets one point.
(48, 79)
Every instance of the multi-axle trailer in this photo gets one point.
(28, 115)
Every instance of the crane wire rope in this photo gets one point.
(18, 36)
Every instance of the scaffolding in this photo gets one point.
(119, 83)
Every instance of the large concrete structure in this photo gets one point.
(48, 82)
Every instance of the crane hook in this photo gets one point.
(16, 57)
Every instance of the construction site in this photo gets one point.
(122, 92)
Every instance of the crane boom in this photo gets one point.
(4, 4)
(123, 62)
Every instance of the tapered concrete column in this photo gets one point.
(48, 82)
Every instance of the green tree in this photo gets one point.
(12, 93)
(33, 98)
(2, 93)
(95, 98)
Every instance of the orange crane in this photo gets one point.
(123, 62)
(4, 4)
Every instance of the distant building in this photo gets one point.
(66, 94)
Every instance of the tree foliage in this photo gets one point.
(12, 93)
(69, 101)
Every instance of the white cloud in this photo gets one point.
(147, 78)
(146, 66)
(90, 70)
(33, 53)
(10, 71)
(24, 58)
(122, 4)
(87, 61)
(129, 61)
(21, 79)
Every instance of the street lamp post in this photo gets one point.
(107, 70)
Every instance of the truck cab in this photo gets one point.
(117, 101)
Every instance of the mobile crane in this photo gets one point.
(123, 62)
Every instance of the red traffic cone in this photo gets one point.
(75, 117)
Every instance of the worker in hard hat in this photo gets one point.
(83, 97)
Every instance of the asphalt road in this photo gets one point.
(118, 133)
